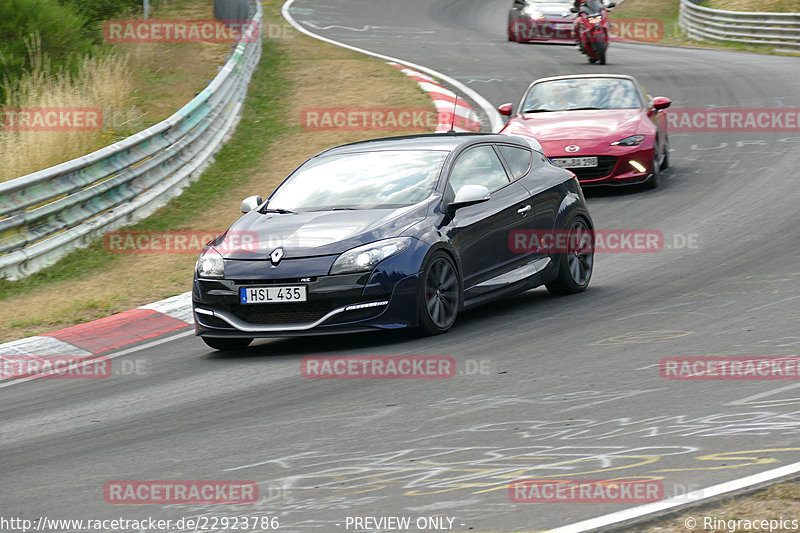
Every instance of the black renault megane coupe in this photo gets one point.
(402, 232)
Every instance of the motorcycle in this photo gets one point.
(591, 29)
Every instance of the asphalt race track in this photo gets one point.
(547, 387)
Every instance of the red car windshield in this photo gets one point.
(582, 93)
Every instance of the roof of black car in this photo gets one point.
(430, 141)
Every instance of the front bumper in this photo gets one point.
(615, 170)
(385, 298)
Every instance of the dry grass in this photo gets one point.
(137, 86)
(769, 6)
(773, 503)
(105, 83)
(321, 75)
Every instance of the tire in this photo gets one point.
(665, 160)
(574, 267)
(600, 51)
(652, 181)
(439, 296)
(227, 344)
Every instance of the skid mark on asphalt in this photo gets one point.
(638, 337)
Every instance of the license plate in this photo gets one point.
(575, 162)
(278, 294)
(563, 26)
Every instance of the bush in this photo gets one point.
(98, 11)
(64, 34)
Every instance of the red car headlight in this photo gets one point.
(633, 140)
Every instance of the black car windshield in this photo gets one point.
(362, 180)
(582, 93)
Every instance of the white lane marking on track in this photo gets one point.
(40, 345)
(368, 27)
(678, 501)
(774, 303)
(495, 119)
(179, 307)
(111, 356)
(772, 392)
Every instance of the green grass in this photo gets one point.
(667, 12)
(261, 124)
(769, 6)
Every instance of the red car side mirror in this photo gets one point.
(505, 109)
(661, 102)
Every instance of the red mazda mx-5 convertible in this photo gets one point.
(604, 128)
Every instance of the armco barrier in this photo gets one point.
(49, 213)
(780, 30)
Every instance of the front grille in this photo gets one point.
(605, 164)
(289, 313)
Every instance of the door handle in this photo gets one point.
(524, 210)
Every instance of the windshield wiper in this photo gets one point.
(280, 211)
(581, 108)
(537, 111)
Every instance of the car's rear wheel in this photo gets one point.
(600, 51)
(227, 344)
(440, 294)
(575, 267)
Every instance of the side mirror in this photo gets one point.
(250, 203)
(470, 195)
(505, 109)
(661, 102)
(573, 9)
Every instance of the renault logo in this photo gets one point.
(276, 256)
(572, 148)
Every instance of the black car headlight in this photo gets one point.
(365, 258)
(210, 264)
(633, 140)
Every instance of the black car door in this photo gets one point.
(481, 232)
(540, 180)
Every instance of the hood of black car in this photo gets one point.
(314, 233)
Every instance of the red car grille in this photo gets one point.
(605, 165)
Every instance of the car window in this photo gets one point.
(518, 159)
(581, 93)
(361, 180)
(478, 166)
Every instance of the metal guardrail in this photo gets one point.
(772, 29)
(49, 213)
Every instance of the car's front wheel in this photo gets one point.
(652, 181)
(575, 266)
(440, 294)
(227, 344)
